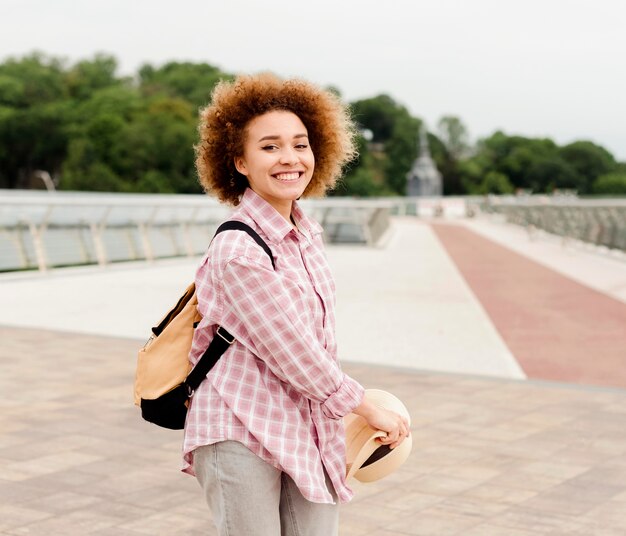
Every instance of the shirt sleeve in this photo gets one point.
(268, 307)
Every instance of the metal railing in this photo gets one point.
(596, 221)
(40, 230)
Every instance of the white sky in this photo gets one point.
(552, 68)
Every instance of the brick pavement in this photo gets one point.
(491, 457)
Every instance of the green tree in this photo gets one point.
(358, 183)
(40, 80)
(610, 184)
(32, 139)
(495, 183)
(401, 152)
(33, 118)
(394, 141)
(160, 140)
(454, 136)
(548, 174)
(515, 156)
(192, 82)
(97, 177)
(121, 100)
(11, 90)
(448, 149)
(94, 129)
(471, 172)
(364, 176)
(87, 76)
(589, 160)
(529, 163)
(378, 114)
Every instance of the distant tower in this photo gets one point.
(424, 178)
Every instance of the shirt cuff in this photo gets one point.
(343, 400)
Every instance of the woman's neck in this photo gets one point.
(282, 206)
(284, 210)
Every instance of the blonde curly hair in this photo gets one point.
(234, 104)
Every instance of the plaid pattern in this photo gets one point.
(279, 389)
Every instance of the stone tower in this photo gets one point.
(424, 178)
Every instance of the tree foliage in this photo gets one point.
(94, 130)
(611, 183)
(589, 161)
(454, 135)
(393, 144)
(192, 82)
(379, 115)
(536, 164)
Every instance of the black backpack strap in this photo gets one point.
(218, 346)
(234, 225)
(222, 339)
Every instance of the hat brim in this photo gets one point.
(366, 459)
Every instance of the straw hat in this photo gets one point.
(366, 459)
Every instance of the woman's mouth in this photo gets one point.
(288, 177)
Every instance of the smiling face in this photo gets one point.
(277, 158)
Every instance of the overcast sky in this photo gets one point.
(552, 68)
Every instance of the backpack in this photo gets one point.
(164, 381)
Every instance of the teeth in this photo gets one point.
(287, 176)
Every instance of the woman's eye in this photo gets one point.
(269, 147)
(301, 146)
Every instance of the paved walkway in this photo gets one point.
(557, 328)
(491, 457)
(594, 266)
(409, 291)
(424, 317)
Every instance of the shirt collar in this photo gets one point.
(304, 222)
(273, 225)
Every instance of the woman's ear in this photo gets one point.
(240, 165)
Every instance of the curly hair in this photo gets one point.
(234, 104)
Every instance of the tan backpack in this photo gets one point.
(164, 380)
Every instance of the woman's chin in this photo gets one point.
(290, 191)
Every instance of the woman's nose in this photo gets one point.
(288, 156)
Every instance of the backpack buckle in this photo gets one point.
(224, 335)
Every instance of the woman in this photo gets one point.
(264, 433)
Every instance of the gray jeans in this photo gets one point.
(249, 497)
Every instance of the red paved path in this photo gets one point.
(556, 328)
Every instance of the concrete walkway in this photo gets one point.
(401, 305)
(494, 454)
(556, 327)
(594, 266)
(409, 303)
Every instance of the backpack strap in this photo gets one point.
(222, 339)
(218, 346)
(234, 225)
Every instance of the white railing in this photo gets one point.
(40, 230)
(596, 221)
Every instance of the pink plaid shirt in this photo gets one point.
(279, 388)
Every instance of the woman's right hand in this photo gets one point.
(394, 425)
